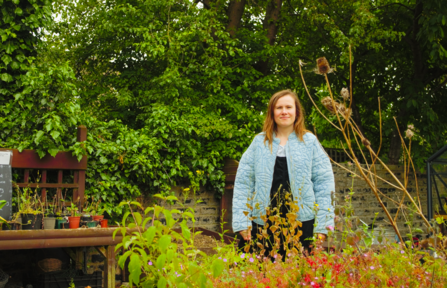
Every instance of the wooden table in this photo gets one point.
(64, 238)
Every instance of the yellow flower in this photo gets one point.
(198, 172)
(329, 209)
(186, 190)
(316, 205)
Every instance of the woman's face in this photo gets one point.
(285, 112)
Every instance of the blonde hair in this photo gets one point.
(270, 124)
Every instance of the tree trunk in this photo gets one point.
(270, 24)
(235, 12)
(419, 70)
(355, 110)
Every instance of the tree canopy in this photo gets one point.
(168, 87)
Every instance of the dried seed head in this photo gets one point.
(409, 132)
(345, 112)
(366, 142)
(323, 66)
(345, 94)
(327, 102)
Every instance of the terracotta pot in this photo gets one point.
(74, 222)
(104, 223)
(98, 217)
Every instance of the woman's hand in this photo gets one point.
(246, 234)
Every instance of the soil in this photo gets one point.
(204, 241)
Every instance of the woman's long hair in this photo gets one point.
(270, 124)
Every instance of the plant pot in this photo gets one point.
(74, 222)
(86, 218)
(65, 225)
(91, 224)
(49, 223)
(59, 223)
(31, 221)
(104, 223)
(12, 226)
(98, 217)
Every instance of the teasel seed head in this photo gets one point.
(409, 132)
(327, 103)
(345, 112)
(366, 142)
(323, 66)
(345, 94)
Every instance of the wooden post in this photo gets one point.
(82, 136)
(109, 267)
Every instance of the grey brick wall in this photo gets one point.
(364, 202)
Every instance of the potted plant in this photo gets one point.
(49, 219)
(97, 210)
(75, 217)
(30, 208)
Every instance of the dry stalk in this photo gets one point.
(369, 176)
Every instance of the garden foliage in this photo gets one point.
(169, 87)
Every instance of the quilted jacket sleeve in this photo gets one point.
(324, 185)
(244, 186)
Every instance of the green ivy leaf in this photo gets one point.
(55, 134)
(18, 11)
(39, 135)
(6, 77)
(53, 152)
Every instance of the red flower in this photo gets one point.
(265, 280)
(307, 278)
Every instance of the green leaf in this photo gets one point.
(418, 230)
(202, 280)
(6, 59)
(164, 242)
(53, 152)
(39, 135)
(217, 267)
(149, 234)
(135, 268)
(55, 134)
(185, 231)
(6, 77)
(2, 203)
(161, 260)
(18, 11)
(162, 283)
(16, 2)
(103, 160)
(138, 218)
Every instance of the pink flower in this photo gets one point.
(243, 255)
(372, 267)
(330, 227)
(252, 260)
(150, 263)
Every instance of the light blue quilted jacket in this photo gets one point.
(310, 174)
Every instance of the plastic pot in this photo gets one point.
(59, 223)
(74, 222)
(104, 223)
(49, 223)
(91, 224)
(31, 221)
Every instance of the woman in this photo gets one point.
(285, 157)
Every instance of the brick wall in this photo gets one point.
(363, 200)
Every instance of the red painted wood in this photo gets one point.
(43, 195)
(29, 159)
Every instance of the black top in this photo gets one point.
(280, 179)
